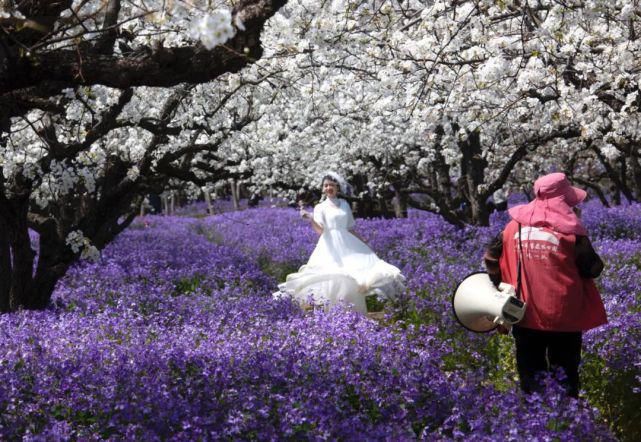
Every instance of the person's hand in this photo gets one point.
(304, 214)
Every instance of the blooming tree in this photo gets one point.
(436, 103)
(444, 103)
(95, 98)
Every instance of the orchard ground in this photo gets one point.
(173, 335)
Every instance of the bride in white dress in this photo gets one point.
(342, 268)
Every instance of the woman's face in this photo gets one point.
(330, 188)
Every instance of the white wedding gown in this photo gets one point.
(342, 268)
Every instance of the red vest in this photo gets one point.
(557, 298)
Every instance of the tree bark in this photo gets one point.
(599, 192)
(21, 292)
(5, 267)
(400, 204)
(54, 259)
(87, 64)
(234, 194)
(473, 174)
(636, 171)
(210, 206)
(617, 180)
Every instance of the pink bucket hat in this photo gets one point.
(552, 206)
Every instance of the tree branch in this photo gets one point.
(161, 67)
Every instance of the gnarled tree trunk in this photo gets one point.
(21, 292)
(5, 266)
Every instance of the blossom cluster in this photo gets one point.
(213, 29)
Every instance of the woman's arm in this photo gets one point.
(588, 262)
(318, 228)
(351, 222)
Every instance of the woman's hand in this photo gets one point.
(304, 214)
(308, 216)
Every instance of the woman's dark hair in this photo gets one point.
(332, 179)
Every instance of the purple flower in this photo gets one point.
(174, 334)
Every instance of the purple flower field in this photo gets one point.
(174, 335)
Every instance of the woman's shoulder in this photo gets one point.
(346, 205)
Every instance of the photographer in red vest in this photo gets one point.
(547, 242)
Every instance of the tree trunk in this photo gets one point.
(617, 179)
(54, 259)
(5, 267)
(33, 290)
(473, 174)
(234, 194)
(636, 172)
(616, 195)
(165, 204)
(480, 212)
(21, 291)
(364, 207)
(384, 209)
(599, 193)
(210, 206)
(400, 204)
(169, 203)
(172, 202)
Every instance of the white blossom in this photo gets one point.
(81, 244)
(213, 29)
